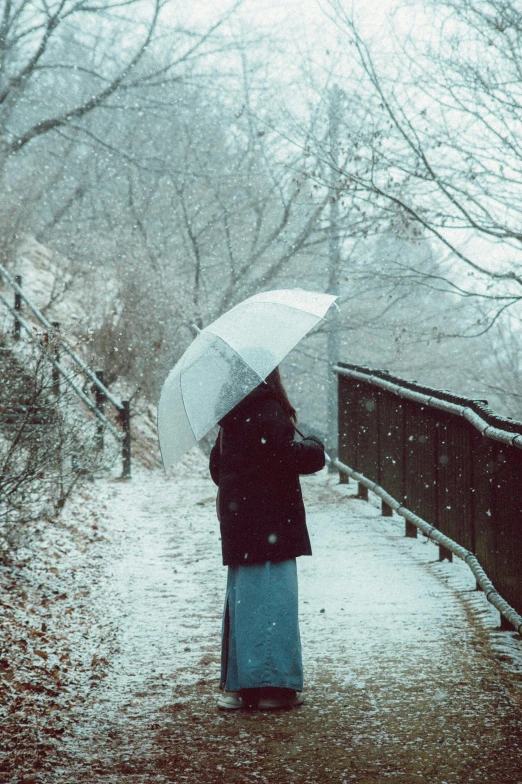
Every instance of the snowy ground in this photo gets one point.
(408, 678)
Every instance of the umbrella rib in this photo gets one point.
(159, 441)
(185, 409)
(299, 308)
(236, 353)
(293, 307)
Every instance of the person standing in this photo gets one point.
(256, 463)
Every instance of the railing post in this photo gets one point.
(126, 444)
(17, 307)
(386, 509)
(445, 554)
(99, 400)
(341, 429)
(55, 348)
(362, 492)
(411, 530)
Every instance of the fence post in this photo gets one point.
(18, 308)
(99, 400)
(55, 348)
(126, 444)
(411, 530)
(362, 492)
(341, 429)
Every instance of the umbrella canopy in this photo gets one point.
(228, 359)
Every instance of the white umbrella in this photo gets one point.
(228, 359)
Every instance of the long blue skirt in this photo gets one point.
(261, 645)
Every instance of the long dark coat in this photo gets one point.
(257, 468)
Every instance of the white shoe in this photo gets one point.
(229, 700)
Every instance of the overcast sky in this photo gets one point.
(295, 13)
(296, 19)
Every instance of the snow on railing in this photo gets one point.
(102, 393)
(434, 456)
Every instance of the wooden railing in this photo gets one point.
(447, 464)
(62, 349)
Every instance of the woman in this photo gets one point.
(256, 464)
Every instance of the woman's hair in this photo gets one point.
(275, 383)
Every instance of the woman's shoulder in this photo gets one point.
(260, 403)
(260, 397)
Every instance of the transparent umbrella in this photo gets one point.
(228, 359)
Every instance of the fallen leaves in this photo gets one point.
(49, 655)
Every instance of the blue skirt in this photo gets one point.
(261, 645)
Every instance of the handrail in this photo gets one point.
(102, 418)
(123, 407)
(498, 434)
(431, 532)
(63, 344)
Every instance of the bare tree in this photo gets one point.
(47, 444)
(444, 143)
(58, 61)
(206, 206)
(498, 376)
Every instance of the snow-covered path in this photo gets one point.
(407, 679)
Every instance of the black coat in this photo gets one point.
(261, 508)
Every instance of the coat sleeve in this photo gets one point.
(315, 457)
(276, 434)
(215, 462)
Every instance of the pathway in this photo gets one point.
(407, 678)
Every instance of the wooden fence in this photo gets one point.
(449, 460)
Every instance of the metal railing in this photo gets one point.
(447, 464)
(60, 347)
